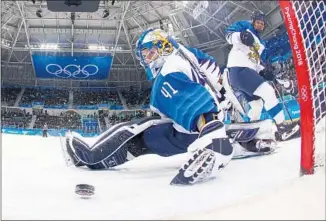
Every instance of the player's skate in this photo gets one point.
(252, 139)
(283, 132)
(253, 148)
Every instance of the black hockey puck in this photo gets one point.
(84, 190)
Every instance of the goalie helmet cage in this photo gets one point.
(305, 24)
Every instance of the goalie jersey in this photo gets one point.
(179, 93)
(240, 54)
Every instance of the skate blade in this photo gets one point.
(251, 155)
(289, 134)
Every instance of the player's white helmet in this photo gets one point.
(152, 48)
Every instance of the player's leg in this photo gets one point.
(265, 90)
(254, 105)
(253, 85)
(246, 105)
(165, 140)
(161, 139)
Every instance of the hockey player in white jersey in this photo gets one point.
(191, 117)
(244, 72)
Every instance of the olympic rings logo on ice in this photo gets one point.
(72, 70)
(304, 93)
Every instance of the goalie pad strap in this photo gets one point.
(242, 135)
(204, 119)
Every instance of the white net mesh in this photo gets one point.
(311, 16)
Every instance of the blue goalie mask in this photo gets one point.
(152, 48)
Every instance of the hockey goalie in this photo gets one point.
(191, 106)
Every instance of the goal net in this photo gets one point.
(305, 23)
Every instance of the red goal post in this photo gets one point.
(305, 24)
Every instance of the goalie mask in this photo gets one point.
(152, 48)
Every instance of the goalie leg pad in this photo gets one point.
(211, 152)
(262, 130)
(242, 135)
(111, 147)
(109, 153)
(69, 154)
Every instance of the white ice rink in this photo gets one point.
(36, 184)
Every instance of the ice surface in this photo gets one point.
(301, 199)
(36, 184)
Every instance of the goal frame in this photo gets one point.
(302, 68)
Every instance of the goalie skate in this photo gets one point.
(262, 147)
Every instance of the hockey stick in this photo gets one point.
(290, 133)
(274, 86)
(279, 95)
(193, 65)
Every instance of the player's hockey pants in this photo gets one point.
(245, 80)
